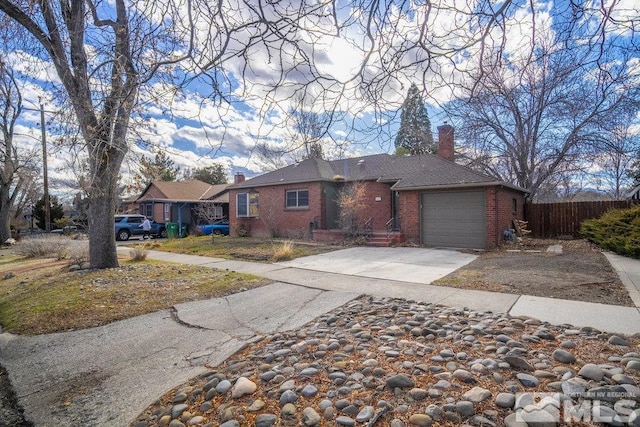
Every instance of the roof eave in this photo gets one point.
(461, 185)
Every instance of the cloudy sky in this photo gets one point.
(196, 130)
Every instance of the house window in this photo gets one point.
(247, 205)
(167, 211)
(297, 199)
(148, 210)
(515, 206)
(217, 212)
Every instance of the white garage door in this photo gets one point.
(455, 219)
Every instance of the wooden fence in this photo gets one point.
(564, 219)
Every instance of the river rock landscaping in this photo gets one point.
(389, 362)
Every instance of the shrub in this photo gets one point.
(45, 246)
(78, 251)
(617, 230)
(243, 230)
(138, 254)
(284, 252)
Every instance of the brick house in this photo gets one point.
(178, 201)
(425, 199)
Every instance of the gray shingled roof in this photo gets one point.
(410, 172)
(190, 191)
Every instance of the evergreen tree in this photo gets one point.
(160, 168)
(414, 136)
(55, 211)
(213, 175)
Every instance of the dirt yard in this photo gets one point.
(581, 272)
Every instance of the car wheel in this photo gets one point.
(217, 232)
(163, 233)
(123, 235)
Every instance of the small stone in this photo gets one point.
(266, 420)
(563, 356)
(616, 340)
(223, 386)
(518, 362)
(421, 420)
(591, 371)
(242, 387)
(288, 410)
(505, 400)
(345, 421)
(256, 405)
(309, 390)
(465, 408)
(310, 417)
(289, 396)
(198, 419)
(396, 423)
(177, 410)
(400, 380)
(418, 393)
(512, 420)
(528, 380)
(365, 414)
(622, 379)
(477, 395)
(634, 364)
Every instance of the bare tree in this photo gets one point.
(208, 212)
(306, 132)
(533, 119)
(15, 162)
(622, 147)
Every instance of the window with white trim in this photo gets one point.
(297, 199)
(247, 205)
(167, 211)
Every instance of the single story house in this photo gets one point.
(191, 202)
(426, 199)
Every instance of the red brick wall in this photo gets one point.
(378, 210)
(504, 212)
(295, 222)
(274, 217)
(499, 213)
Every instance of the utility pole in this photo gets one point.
(47, 206)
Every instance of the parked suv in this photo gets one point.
(126, 226)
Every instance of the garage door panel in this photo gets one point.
(454, 219)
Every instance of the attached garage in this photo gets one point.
(454, 219)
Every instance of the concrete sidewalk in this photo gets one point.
(320, 272)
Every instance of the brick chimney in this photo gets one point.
(238, 178)
(445, 142)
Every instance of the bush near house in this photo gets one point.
(617, 230)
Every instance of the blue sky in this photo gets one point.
(196, 131)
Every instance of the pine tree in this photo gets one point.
(160, 168)
(414, 136)
(213, 175)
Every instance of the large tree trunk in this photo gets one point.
(102, 203)
(5, 205)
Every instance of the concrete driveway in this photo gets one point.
(413, 265)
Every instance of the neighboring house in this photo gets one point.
(634, 194)
(178, 202)
(425, 199)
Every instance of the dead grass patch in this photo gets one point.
(52, 299)
(238, 248)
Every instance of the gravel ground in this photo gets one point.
(389, 362)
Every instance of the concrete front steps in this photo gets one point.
(383, 239)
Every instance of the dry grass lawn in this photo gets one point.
(42, 296)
